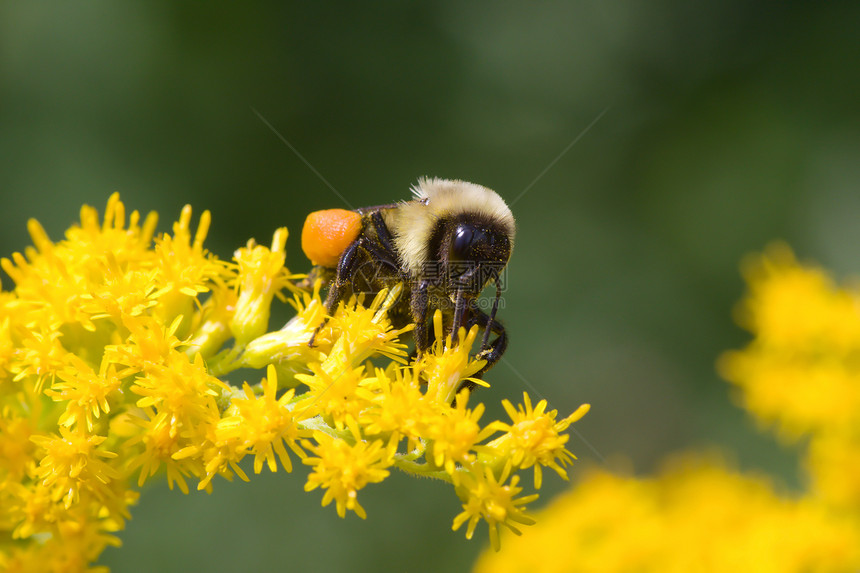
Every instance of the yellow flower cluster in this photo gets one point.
(113, 343)
(695, 516)
(801, 373)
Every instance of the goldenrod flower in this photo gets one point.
(342, 468)
(401, 409)
(16, 448)
(800, 371)
(533, 438)
(261, 277)
(488, 498)
(262, 425)
(833, 461)
(455, 435)
(112, 348)
(70, 462)
(448, 365)
(288, 348)
(696, 515)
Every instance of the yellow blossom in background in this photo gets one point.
(696, 515)
(113, 345)
(800, 375)
(801, 371)
(833, 464)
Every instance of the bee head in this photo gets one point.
(473, 251)
(456, 235)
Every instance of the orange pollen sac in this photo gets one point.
(327, 234)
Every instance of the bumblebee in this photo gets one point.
(445, 245)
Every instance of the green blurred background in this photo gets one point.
(725, 125)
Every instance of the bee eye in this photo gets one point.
(461, 242)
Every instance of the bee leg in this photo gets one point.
(382, 254)
(383, 233)
(459, 310)
(490, 351)
(418, 306)
(494, 351)
(486, 338)
(339, 286)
